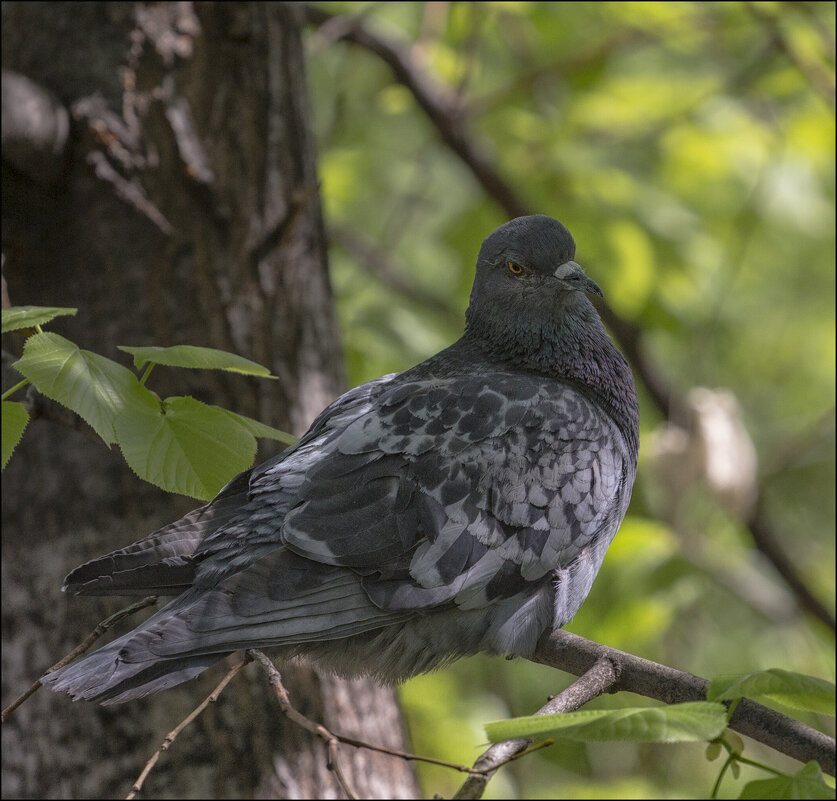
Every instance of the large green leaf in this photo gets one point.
(194, 357)
(19, 317)
(808, 782)
(15, 419)
(184, 446)
(793, 689)
(261, 430)
(693, 721)
(94, 387)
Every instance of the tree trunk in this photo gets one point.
(182, 209)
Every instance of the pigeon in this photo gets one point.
(461, 506)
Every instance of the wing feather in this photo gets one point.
(520, 474)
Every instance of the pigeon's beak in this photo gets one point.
(571, 272)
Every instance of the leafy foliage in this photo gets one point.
(96, 388)
(179, 443)
(805, 783)
(196, 358)
(791, 689)
(688, 722)
(184, 443)
(21, 317)
(15, 419)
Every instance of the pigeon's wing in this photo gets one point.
(239, 526)
(463, 490)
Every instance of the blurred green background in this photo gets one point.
(689, 147)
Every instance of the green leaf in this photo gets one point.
(733, 742)
(261, 430)
(15, 419)
(196, 358)
(793, 689)
(184, 446)
(19, 317)
(693, 721)
(94, 387)
(805, 783)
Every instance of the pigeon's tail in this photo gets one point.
(163, 563)
(281, 600)
(109, 677)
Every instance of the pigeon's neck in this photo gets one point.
(567, 342)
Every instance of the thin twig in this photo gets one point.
(329, 737)
(172, 735)
(405, 755)
(317, 729)
(601, 676)
(94, 635)
(333, 765)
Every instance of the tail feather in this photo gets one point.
(161, 563)
(273, 603)
(102, 677)
(155, 679)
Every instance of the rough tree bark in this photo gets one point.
(183, 208)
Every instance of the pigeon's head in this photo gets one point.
(530, 255)
(526, 276)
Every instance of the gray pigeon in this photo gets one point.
(464, 505)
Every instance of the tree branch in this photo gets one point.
(440, 106)
(435, 100)
(576, 655)
(767, 542)
(602, 675)
(317, 729)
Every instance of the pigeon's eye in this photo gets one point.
(514, 268)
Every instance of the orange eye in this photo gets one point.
(514, 268)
